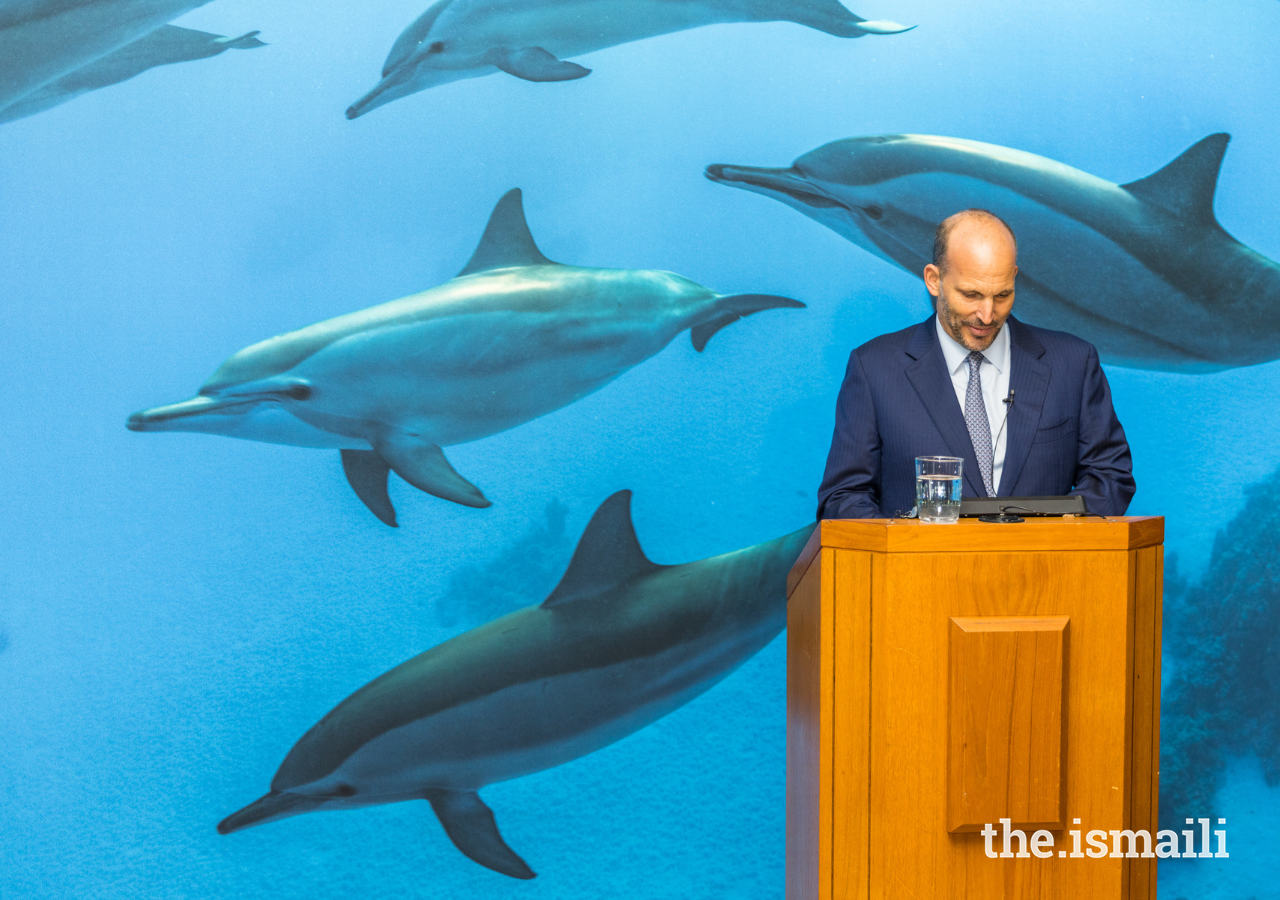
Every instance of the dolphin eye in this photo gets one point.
(437, 47)
(344, 790)
(874, 212)
(297, 392)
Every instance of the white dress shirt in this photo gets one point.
(994, 376)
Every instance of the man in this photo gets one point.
(1029, 410)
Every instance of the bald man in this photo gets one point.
(1029, 410)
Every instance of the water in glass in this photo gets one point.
(938, 489)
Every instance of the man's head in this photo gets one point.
(971, 278)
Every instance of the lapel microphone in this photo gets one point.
(1008, 405)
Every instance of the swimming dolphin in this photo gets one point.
(167, 44)
(456, 39)
(513, 337)
(1142, 270)
(43, 40)
(620, 643)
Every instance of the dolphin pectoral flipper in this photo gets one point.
(536, 64)
(474, 831)
(732, 308)
(832, 17)
(422, 464)
(367, 472)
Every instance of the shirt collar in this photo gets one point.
(957, 355)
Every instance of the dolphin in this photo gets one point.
(620, 643)
(43, 40)
(457, 39)
(167, 44)
(1142, 270)
(513, 337)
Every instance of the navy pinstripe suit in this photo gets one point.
(897, 402)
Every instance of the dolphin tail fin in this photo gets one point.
(422, 464)
(832, 17)
(244, 42)
(732, 308)
(474, 831)
(367, 473)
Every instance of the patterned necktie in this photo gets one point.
(975, 416)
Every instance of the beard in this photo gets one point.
(952, 323)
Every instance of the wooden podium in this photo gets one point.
(941, 677)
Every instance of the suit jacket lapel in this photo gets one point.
(1029, 380)
(928, 374)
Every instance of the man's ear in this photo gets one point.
(933, 280)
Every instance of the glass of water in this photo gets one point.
(938, 489)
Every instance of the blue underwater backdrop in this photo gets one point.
(177, 610)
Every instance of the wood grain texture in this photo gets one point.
(804, 560)
(1146, 565)
(810, 667)
(912, 854)
(1158, 642)
(855, 573)
(870, 709)
(1006, 733)
(970, 535)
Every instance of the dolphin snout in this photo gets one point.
(379, 96)
(171, 417)
(158, 417)
(268, 808)
(790, 182)
(369, 101)
(406, 79)
(392, 87)
(752, 175)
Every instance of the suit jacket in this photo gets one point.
(897, 402)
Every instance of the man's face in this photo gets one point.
(974, 295)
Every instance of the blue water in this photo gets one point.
(177, 609)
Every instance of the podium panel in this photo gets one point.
(1005, 721)
(941, 679)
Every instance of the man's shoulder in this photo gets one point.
(890, 345)
(1057, 344)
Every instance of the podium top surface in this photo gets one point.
(972, 536)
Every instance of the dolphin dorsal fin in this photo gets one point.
(506, 240)
(608, 554)
(1186, 186)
